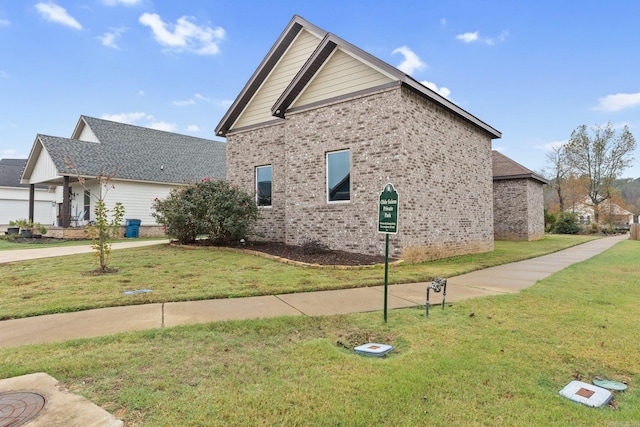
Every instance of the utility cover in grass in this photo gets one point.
(587, 394)
(610, 384)
(373, 349)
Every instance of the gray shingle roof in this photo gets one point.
(505, 168)
(10, 171)
(137, 153)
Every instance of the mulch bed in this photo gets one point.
(313, 255)
(310, 254)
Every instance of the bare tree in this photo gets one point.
(601, 155)
(558, 170)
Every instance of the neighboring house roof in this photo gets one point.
(328, 44)
(587, 205)
(135, 153)
(10, 172)
(505, 168)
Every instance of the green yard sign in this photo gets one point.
(388, 210)
(387, 224)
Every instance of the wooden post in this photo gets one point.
(66, 204)
(634, 232)
(32, 196)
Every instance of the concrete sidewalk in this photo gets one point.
(37, 253)
(504, 279)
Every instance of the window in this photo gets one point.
(263, 185)
(87, 205)
(338, 176)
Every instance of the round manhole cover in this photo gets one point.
(17, 409)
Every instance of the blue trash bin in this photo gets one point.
(132, 228)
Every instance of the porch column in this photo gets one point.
(66, 204)
(32, 194)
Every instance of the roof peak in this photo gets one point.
(328, 43)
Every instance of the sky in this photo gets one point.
(534, 70)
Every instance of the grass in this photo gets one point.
(503, 365)
(64, 284)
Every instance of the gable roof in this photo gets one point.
(314, 63)
(135, 153)
(505, 168)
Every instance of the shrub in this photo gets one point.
(549, 220)
(567, 223)
(217, 209)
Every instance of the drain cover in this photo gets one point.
(17, 409)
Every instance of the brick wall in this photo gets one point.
(518, 209)
(439, 164)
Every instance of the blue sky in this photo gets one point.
(534, 70)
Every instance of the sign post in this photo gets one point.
(387, 224)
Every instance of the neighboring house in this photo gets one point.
(608, 213)
(326, 125)
(518, 201)
(144, 164)
(14, 197)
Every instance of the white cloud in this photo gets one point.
(183, 103)
(475, 37)
(54, 13)
(4, 23)
(128, 118)
(443, 91)
(184, 35)
(552, 145)
(443, 22)
(140, 92)
(202, 98)
(225, 103)
(619, 101)
(411, 61)
(193, 128)
(4, 74)
(134, 118)
(468, 37)
(108, 39)
(168, 127)
(122, 2)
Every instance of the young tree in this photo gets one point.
(601, 155)
(558, 170)
(102, 232)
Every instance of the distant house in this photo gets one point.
(327, 125)
(14, 196)
(144, 164)
(608, 213)
(518, 201)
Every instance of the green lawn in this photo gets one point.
(63, 284)
(482, 362)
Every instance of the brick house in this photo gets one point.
(518, 201)
(322, 126)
